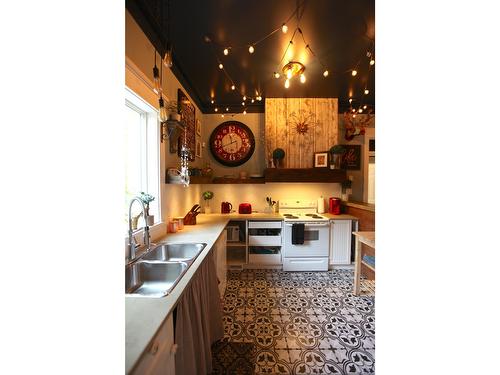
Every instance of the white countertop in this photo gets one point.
(144, 316)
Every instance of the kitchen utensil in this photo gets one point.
(334, 205)
(245, 208)
(226, 207)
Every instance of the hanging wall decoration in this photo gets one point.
(351, 158)
(187, 111)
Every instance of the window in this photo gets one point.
(141, 154)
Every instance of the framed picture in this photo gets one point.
(321, 159)
(351, 158)
(198, 147)
(198, 127)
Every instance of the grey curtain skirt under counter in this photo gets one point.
(199, 321)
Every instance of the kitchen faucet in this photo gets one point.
(132, 245)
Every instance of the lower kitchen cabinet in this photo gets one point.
(221, 262)
(340, 242)
(159, 357)
(264, 242)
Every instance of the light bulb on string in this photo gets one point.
(259, 98)
(227, 109)
(221, 66)
(372, 61)
(233, 87)
(284, 28)
(350, 100)
(216, 109)
(226, 51)
(242, 103)
(302, 78)
(325, 73)
(168, 59)
(162, 110)
(222, 115)
(354, 72)
(360, 110)
(287, 83)
(245, 112)
(354, 116)
(253, 100)
(364, 107)
(289, 74)
(276, 75)
(212, 101)
(251, 49)
(353, 110)
(367, 91)
(244, 97)
(156, 77)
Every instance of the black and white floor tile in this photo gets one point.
(302, 322)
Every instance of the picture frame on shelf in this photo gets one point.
(198, 127)
(351, 158)
(198, 148)
(321, 159)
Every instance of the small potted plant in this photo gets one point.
(173, 112)
(270, 205)
(147, 199)
(207, 195)
(336, 156)
(278, 156)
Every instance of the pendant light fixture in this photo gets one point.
(156, 78)
(168, 57)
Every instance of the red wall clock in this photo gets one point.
(232, 143)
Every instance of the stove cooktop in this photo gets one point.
(303, 217)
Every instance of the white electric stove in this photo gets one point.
(311, 254)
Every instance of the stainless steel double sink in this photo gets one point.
(156, 272)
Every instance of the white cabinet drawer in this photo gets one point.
(264, 224)
(264, 240)
(305, 264)
(264, 259)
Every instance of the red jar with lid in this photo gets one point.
(334, 206)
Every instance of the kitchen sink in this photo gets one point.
(152, 278)
(175, 252)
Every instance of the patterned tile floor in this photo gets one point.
(302, 322)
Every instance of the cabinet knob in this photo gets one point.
(174, 348)
(154, 348)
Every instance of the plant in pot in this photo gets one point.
(336, 156)
(207, 195)
(147, 199)
(173, 112)
(278, 156)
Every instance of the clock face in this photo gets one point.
(232, 143)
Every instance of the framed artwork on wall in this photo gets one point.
(321, 159)
(198, 147)
(198, 127)
(187, 111)
(351, 158)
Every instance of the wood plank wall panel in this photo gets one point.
(282, 115)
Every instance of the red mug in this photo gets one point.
(226, 207)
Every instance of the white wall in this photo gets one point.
(176, 200)
(256, 193)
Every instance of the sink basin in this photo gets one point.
(175, 252)
(153, 279)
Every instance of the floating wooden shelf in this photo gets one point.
(304, 175)
(225, 180)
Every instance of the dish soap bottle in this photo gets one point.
(321, 205)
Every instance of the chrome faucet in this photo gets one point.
(132, 245)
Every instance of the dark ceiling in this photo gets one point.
(339, 32)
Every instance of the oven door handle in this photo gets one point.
(311, 225)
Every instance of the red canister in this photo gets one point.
(334, 206)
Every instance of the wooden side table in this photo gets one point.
(368, 238)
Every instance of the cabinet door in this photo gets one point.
(159, 357)
(340, 242)
(220, 247)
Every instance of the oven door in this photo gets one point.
(316, 241)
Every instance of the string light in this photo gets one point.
(302, 78)
(226, 51)
(245, 112)
(354, 72)
(251, 49)
(222, 115)
(353, 110)
(212, 101)
(242, 103)
(233, 87)
(227, 109)
(367, 91)
(360, 110)
(350, 100)
(253, 100)
(372, 61)
(244, 97)
(287, 83)
(216, 109)
(325, 73)
(284, 28)
(276, 75)
(364, 107)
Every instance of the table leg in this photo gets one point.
(357, 267)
